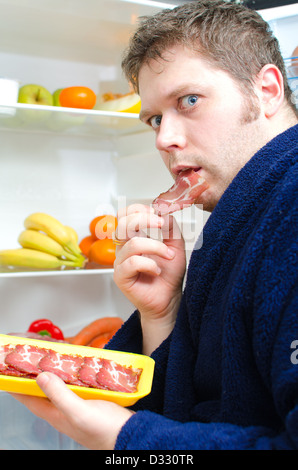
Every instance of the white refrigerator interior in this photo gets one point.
(74, 165)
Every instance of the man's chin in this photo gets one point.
(206, 202)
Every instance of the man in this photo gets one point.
(213, 88)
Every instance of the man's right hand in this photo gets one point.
(150, 272)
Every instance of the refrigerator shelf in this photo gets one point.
(68, 121)
(67, 272)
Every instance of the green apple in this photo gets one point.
(35, 94)
(56, 95)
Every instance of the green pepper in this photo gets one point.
(45, 327)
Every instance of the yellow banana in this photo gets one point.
(75, 238)
(52, 227)
(72, 233)
(35, 240)
(23, 257)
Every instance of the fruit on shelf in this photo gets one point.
(72, 233)
(128, 103)
(65, 120)
(103, 226)
(35, 240)
(98, 246)
(85, 244)
(55, 229)
(56, 97)
(103, 252)
(26, 258)
(35, 94)
(77, 97)
(45, 244)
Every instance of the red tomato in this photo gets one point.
(77, 97)
(103, 252)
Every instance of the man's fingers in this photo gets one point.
(143, 246)
(170, 229)
(134, 208)
(137, 224)
(58, 393)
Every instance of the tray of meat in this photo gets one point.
(91, 373)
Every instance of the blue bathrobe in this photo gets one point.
(227, 376)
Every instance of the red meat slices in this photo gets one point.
(184, 192)
(25, 359)
(4, 350)
(5, 369)
(63, 365)
(118, 378)
(88, 371)
(105, 374)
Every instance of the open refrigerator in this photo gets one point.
(76, 164)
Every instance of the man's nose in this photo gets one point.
(170, 134)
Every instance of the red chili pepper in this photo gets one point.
(45, 327)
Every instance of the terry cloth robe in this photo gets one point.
(227, 376)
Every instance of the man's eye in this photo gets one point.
(188, 101)
(155, 121)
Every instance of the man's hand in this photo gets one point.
(149, 271)
(95, 424)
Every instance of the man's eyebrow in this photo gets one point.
(144, 114)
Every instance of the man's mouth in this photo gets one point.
(186, 190)
(178, 170)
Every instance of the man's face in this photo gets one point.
(201, 119)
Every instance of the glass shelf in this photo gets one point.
(66, 272)
(68, 121)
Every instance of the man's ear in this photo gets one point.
(270, 85)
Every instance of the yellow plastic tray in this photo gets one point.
(29, 386)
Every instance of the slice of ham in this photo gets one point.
(88, 371)
(26, 358)
(64, 365)
(188, 186)
(4, 350)
(117, 378)
(6, 369)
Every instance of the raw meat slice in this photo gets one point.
(117, 378)
(185, 191)
(63, 365)
(87, 373)
(4, 350)
(5, 369)
(25, 358)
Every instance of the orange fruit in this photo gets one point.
(77, 97)
(103, 252)
(103, 226)
(85, 244)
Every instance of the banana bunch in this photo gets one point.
(45, 244)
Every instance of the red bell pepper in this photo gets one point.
(45, 327)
